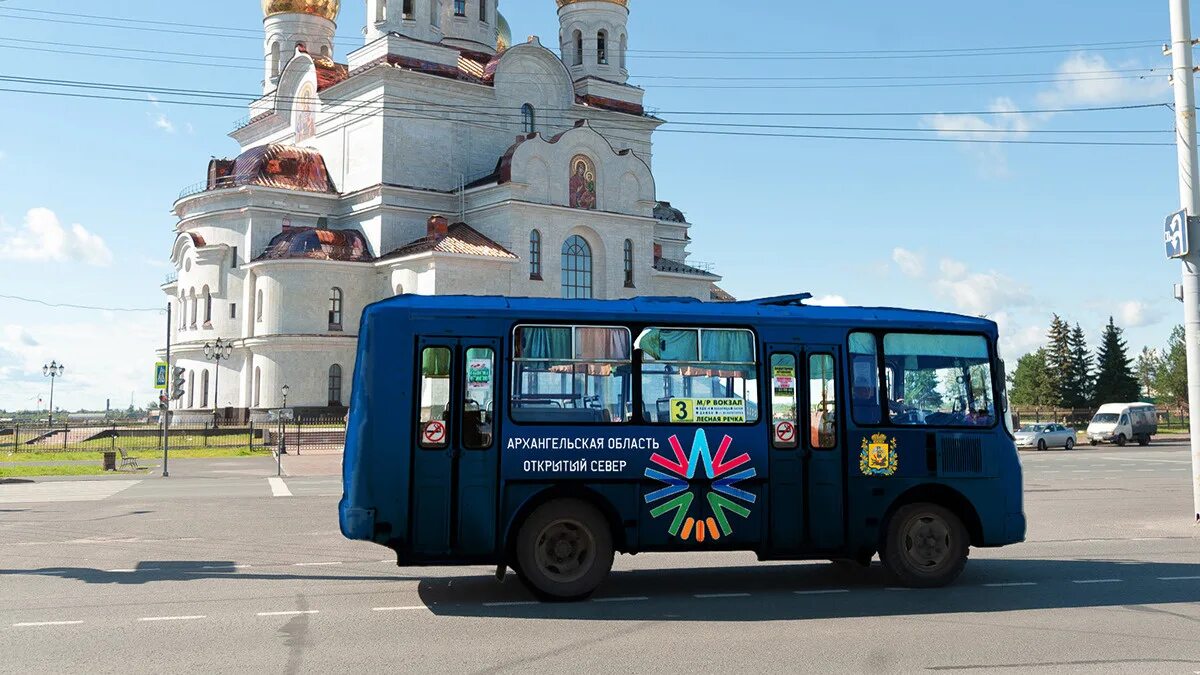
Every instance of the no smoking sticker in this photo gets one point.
(785, 432)
(435, 432)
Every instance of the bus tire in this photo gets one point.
(564, 550)
(926, 546)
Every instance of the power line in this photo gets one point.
(1011, 141)
(58, 305)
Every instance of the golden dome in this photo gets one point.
(503, 33)
(327, 9)
(564, 3)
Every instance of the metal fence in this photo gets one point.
(303, 436)
(1168, 418)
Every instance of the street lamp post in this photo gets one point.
(217, 351)
(285, 390)
(53, 370)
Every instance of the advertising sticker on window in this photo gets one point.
(479, 374)
(708, 411)
(785, 380)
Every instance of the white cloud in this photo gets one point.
(1017, 338)
(828, 301)
(980, 130)
(161, 122)
(979, 293)
(910, 263)
(1136, 314)
(1089, 80)
(44, 239)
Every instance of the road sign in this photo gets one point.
(160, 375)
(1175, 235)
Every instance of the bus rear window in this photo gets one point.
(699, 376)
(572, 375)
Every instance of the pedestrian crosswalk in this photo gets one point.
(63, 491)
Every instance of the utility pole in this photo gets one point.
(166, 408)
(1182, 73)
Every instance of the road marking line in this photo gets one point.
(397, 609)
(173, 618)
(1096, 581)
(1082, 471)
(1178, 578)
(1009, 584)
(32, 624)
(519, 603)
(630, 598)
(824, 591)
(316, 564)
(714, 596)
(1144, 470)
(126, 571)
(291, 613)
(278, 487)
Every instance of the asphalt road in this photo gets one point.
(220, 569)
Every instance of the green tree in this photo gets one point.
(1170, 379)
(1115, 382)
(1147, 369)
(921, 389)
(1078, 393)
(1031, 381)
(1058, 360)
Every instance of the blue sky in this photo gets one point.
(1015, 232)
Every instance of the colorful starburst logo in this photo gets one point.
(721, 492)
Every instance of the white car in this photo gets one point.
(1045, 436)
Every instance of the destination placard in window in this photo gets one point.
(708, 411)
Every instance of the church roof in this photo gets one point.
(317, 244)
(664, 211)
(676, 267)
(460, 238)
(284, 167)
(329, 72)
(718, 294)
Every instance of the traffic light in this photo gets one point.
(177, 391)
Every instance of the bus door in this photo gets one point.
(806, 448)
(455, 457)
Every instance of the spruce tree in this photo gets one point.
(1115, 382)
(1170, 381)
(1058, 361)
(1079, 393)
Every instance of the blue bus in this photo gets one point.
(545, 435)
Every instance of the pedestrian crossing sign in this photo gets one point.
(160, 375)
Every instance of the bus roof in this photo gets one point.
(682, 309)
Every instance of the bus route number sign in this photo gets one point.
(708, 411)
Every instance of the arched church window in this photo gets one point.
(578, 56)
(335, 385)
(408, 11)
(258, 307)
(399, 289)
(435, 13)
(624, 49)
(204, 389)
(628, 263)
(529, 118)
(460, 7)
(583, 183)
(192, 298)
(535, 255)
(380, 11)
(576, 268)
(191, 389)
(207, 306)
(335, 309)
(483, 10)
(275, 59)
(325, 51)
(602, 48)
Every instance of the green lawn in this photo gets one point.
(58, 470)
(147, 454)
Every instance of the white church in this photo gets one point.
(441, 159)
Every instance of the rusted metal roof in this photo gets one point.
(461, 239)
(318, 244)
(284, 167)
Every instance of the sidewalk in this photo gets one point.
(312, 465)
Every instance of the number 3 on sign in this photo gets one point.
(683, 410)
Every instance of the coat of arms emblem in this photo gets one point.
(878, 457)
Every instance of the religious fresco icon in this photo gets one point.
(720, 492)
(583, 183)
(305, 122)
(878, 456)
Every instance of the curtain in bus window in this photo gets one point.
(692, 375)
(544, 342)
(599, 348)
(864, 379)
(572, 375)
(670, 345)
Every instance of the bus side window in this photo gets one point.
(478, 417)
(435, 398)
(864, 378)
(823, 396)
(784, 413)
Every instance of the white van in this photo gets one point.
(1123, 422)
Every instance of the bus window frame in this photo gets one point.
(882, 366)
(511, 362)
(838, 438)
(760, 379)
(495, 384)
(420, 389)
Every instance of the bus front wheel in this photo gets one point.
(926, 546)
(564, 550)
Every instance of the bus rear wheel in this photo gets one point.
(926, 546)
(564, 550)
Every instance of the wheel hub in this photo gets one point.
(564, 551)
(927, 542)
